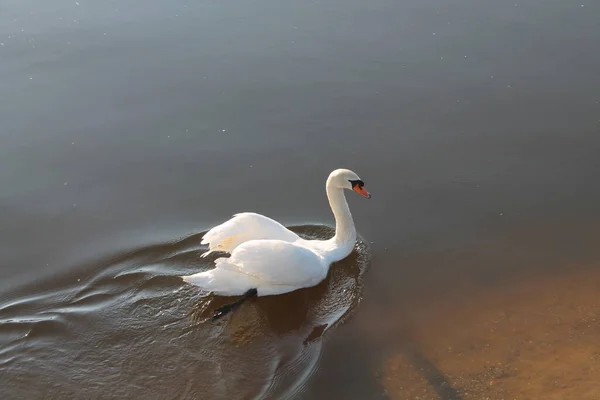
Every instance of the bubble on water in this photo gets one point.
(66, 183)
(224, 130)
(76, 3)
(442, 57)
(433, 33)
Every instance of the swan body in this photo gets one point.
(269, 259)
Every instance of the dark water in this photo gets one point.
(130, 127)
(126, 327)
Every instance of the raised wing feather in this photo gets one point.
(275, 262)
(244, 227)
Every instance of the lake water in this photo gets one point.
(129, 128)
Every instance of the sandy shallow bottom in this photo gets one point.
(538, 339)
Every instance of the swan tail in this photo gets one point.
(223, 282)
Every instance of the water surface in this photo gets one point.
(130, 127)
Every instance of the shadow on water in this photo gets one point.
(128, 326)
(398, 335)
(436, 379)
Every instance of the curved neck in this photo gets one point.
(345, 233)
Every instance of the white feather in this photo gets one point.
(270, 258)
(274, 266)
(244, 227)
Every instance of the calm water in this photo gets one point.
(130, 127)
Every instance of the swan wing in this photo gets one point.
(244, 227)
(276, 262)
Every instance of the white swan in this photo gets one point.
(269, 259)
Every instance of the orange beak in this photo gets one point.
(361, 191)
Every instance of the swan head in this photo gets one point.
(346, 179)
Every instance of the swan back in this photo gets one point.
(242, 228)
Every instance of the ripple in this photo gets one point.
(131, 323)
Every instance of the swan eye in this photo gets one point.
(358, 183)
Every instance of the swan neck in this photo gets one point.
(345, 233)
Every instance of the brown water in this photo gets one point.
(130, 127)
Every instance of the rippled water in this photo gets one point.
(94, 330)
